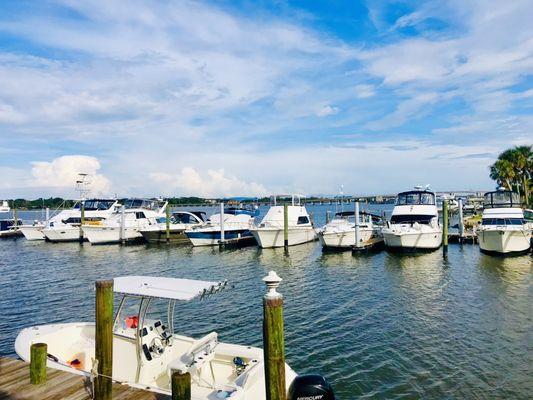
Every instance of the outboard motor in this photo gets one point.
(310, 387)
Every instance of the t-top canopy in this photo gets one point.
(165, 288)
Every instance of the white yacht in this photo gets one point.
(180, 221)
(503, 230)
(4, 208)
(414, 223)
(237, 224)
(269, 233)
(125, 226)
(65, 226)
(147, 351)
(9, 228)
(339, 233)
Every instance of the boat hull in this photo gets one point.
(110, 235)
(413, 240)
(344, 239)
(272, 237)
(64, 234)
(212, 238)
(158, 236)
(33, 232)
(501, 241)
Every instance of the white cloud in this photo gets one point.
(214, 183)
(326, 110)
(364, 91)
(62, 172)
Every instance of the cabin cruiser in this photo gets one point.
(503, 230)
(147, 351)
(414, 223)
(65, 226)
(236, 228)
(339, 233)
(4, 208)
(179, 222)
(126, 223)
(269, 233)
(9, 228)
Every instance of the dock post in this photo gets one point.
(328, 216)
(104, 340)
(167, 222)
(38, 353)
(222, 241)
(461, 221)
(181, 386)
(273, 340)
(357, 232)
(15, 215)
(286, 227)
(82, 219)
(445, 228)
(122, 224)
(47, 215)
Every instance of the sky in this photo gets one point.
(250, 98)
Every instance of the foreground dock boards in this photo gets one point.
(15, 384)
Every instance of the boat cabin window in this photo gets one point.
(501, 198)
(303, 220)
(72, 220)
(182, 218)
(98, 205)
(415, 198)
(503, 221)
(411, 219)
(139, 215)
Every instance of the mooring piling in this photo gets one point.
(38, 353)
(461, 221)
(286, 227)
(273, 339)
(445, 228)
(15, 216)
(47, 215)
(104, 340)
(122, 224)
(328, 218)
(82, 219)
(167, 222)
(181, 386)
(357, 231)
(222, 241)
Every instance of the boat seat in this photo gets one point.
(201, 351)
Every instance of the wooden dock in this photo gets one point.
(15, 385)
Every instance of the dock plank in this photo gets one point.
(15, 385)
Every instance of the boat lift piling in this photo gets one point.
(38, 353)
(357, 232)
(15, 216)
(273, 339)
(286, 227)
(328, 218)
(104, 340)
(445, 228)
(122, 224)
(167, 222)
(222, 241)
(47, 215)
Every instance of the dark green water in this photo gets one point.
(378, 326)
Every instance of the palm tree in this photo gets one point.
(514, 170)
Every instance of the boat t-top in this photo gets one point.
(125, 224)
(269, 232)
(504, 230)
(414, 223)
(146, 350)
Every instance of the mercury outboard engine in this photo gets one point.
(310, 387)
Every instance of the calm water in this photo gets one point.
(378, 326)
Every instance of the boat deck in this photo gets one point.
(15, 384)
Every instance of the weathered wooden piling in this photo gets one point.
(104, 340)
(82, 219)
(328, 217)
(286, 227)
(38, 353)
(167, 222)
(222, 241)
(445, 228)
(122, 224)
(181, 386)
(273, 340)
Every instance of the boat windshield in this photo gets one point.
(501, 199)
(503, 221)
(95, 205)
(411, 219)
(142, 203)
(415, 198)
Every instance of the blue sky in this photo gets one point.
(256, 97)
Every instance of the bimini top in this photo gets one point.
(165, 288)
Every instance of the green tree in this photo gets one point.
(513, 170)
